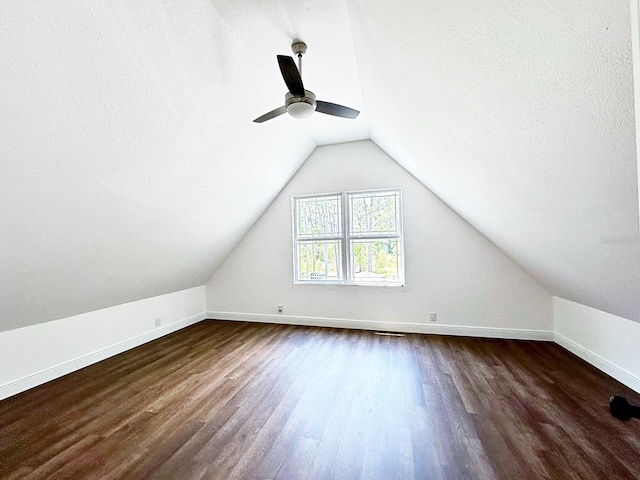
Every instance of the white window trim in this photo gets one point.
(345, 240)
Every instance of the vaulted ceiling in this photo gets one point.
(129, 165)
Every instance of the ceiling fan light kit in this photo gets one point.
(298, 102)
(300, 107)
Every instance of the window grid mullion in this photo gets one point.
(374, 237)
(317, 239)
(346, 229)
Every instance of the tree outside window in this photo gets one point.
(349, 238)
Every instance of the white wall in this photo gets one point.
(450, 268)
(607, 341)
(528, 135)
(35, 354)
(635, 47)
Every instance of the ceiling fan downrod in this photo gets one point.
(299, 49)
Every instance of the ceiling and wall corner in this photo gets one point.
(129, 166)
(521, 119)
(450, 268)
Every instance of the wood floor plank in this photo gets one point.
(222, 400)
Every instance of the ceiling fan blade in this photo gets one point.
(336, 110)
(291, 75)
(272, 114)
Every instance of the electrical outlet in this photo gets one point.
(280, 308)
(433, 317)
(158, 321)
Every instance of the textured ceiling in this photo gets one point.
(129, 165)
(522, 120)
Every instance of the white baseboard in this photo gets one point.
(64, 368)
(599, 362)
(486, 332)
(56, 371)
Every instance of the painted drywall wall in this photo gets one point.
(35, 354)
(123, 139)
(127, 141)
(635, 47)
(450, 268)
(607, 341)
(521, 119)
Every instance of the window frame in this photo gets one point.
(346, 237)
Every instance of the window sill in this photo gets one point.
(346, 284)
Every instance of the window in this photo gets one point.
(348, 238)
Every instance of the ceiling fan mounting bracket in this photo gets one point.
(299, 48)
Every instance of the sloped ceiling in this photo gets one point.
(523, 123)
(129, 165)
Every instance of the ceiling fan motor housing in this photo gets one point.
(300, 107)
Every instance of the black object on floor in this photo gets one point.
(621, 409)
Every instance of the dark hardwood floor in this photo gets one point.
(251, 401)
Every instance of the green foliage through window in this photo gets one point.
(350, 237)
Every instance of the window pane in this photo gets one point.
(374, 213)
(319, 217)
(376, 261)
(320, 260)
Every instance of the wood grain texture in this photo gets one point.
(232, 400)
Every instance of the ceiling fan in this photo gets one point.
(298, 102)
